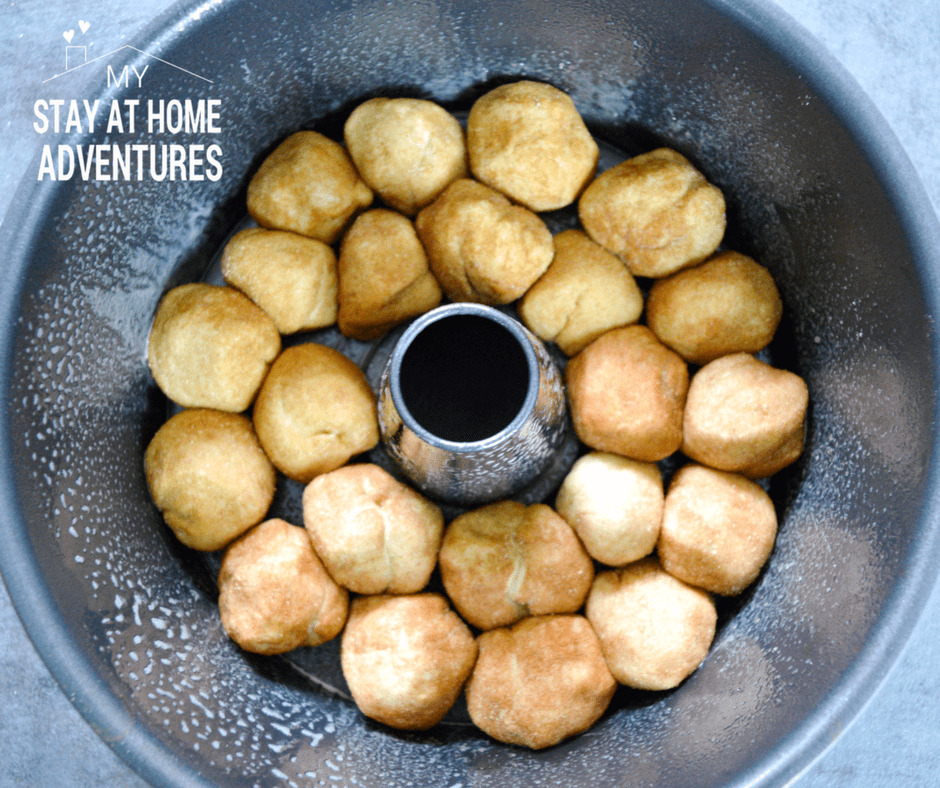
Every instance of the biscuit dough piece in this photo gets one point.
(384, 277)
(480, 246)
(314, 412)
(718, 529)
(728, 304)
(210, 347)
(274, 593)
(745, 415)
(614, 504)
(655, 211)
(406, 658)
(585, 292)
(375, 534)
(627, 390)
(291, 277)
(654, 629)
(208, 476)
(540, 681)
(408, 150)
(504, 561)
(308, 185)
(527, 140)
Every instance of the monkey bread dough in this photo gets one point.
(527, 140)
(406, 658)
(274, 593)
(210, 347)
(408, 150)
(208, 476)
(540, 681)
(654, 629)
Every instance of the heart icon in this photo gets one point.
(83, 25)
(67, 35)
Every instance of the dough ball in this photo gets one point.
(614, 504)
(274, 593)
(208, 476)
(718, 529)
(540, 681)
(527, 140)
(480, 246)
(627, 390)
(504, 561)
(308, 185)
(290, 276)
(585, 292)
(727, 304)
(408, 150)
(210, 347)
(375, 534)
(383, 275)
(744, 415)
(315, 411)
(406, 658)
(654, 629)
(656, 211)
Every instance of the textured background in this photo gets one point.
(891, 47)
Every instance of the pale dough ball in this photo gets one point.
(308, 185)
(745, 415)
(585, 292)
(208, 476)
(540, 681)
(480, 246)
(728, 304)
(654, 629)
(656, 211)
(274, 593)
(718, 529)
(210, 347)
(504, 561)
(406, 658)
(315, 411)
(384, 277)
(528, 140)
(614, 504)
(375, 534)
(291, 277)
(408, 150)
(627, 390)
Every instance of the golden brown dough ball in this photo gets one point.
(406, 149)
(308, 185)
(504, 561)
(290, 276)
(745, 415)
(718, 529)
(210, 347)
(654, 629)
(540, 681)
(375, 534)
(656, 211)
(627, 390)
(614, 504)
(585, 292)
(406, 658)
(315, 411)
(728, 304)
(384, 277)
(274, 593)
(528, 140)
(208, 476)
(480, 246)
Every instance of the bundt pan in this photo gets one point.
(817, 190)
